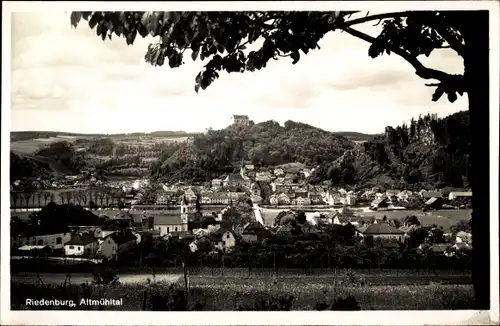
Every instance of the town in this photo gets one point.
(250, 206)
(340, 184)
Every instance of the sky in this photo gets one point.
(66, 79)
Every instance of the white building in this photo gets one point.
(168, 224)
(459, 194)
(54, 241)
(81, 244)
(225, 241)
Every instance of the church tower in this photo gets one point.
(184, 211)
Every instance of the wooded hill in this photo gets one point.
(427, 153)
(263, 144)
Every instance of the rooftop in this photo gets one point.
(379, 228)
(81, 239)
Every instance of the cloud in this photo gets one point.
(82, 84)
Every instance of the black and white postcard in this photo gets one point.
(323, 162)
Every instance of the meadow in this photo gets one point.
(32, 145)
(231, 294)
(444, 218)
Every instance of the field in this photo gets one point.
(32, 145)
(223, 294)
(444, 218)
(148, 141)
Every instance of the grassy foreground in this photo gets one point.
(229, 294)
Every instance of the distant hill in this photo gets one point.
(56, 159)
(356, 136)
(29, 135)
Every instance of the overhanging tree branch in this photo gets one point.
(456, 82)
(376, 17)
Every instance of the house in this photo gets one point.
(103, 232)
(316, 198)
(161, 199)
(117, 244)
(254, 231)
(240, 120)
(380, 231)
(301, 201)
(434, 203)
(235, 195)
(379, 203)
(224, 240)
(263, 176)
(55, 241)
(167, 224)
(220, 198)
(283, 199)
(235, 180)
(391, 193)
(301, 193)
(438, 248)
(81, 244)
(368, 196)
(340, 220)
(206, 197)
(463, 237)
(35, 250)
(273, 200)
(190, 195)
(249, 167)
(349, 200)
(217, 183)
(459, 195)
(430, 194)
(306, 173)
(256, 199)
(404, 195)
(279, 172)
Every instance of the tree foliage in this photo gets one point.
(435, 154)
(222, 38)
(264, 144)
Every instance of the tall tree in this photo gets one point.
(222, 36)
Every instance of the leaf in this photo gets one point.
(194, 55)
(143, 31)
(131, 37)
(295, 55)
(146, 18)
(104, 31)
(173, 16)
(437, 94)
(197, 88)
(86, 14)
(452, 97)
(76, 16)
(96, 17)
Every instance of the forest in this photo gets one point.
(264, 144)
(429, 152)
